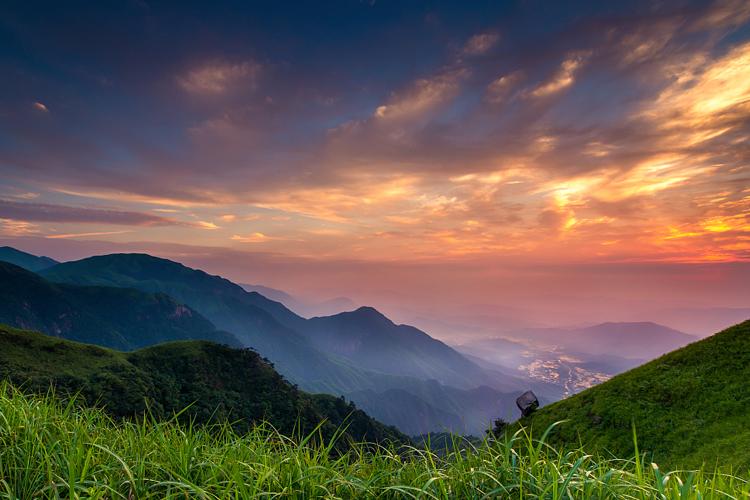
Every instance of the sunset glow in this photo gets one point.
(372, 150)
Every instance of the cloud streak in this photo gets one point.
(45, 212)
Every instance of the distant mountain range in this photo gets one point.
(397, 373)
(299, 348)
(637, 340)
(688, 407)
(202, 381)
(306, 308)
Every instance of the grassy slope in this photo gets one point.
(689, 407)
(53, 451)
(217, 382)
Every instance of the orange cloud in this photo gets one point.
(83, 235)
(424, 95)
(251, 238)
(564, 77)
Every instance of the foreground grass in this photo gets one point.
(50, 449)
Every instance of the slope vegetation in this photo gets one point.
(689, 407)
(214, 383)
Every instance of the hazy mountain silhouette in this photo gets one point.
(372, 341)
(306, 308)
(639, 340)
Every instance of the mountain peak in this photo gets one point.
(370, 312)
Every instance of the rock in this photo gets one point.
(527, 403)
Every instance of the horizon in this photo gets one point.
(517, 164)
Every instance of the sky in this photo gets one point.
(533, 161)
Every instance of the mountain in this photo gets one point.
(303, 350)
(258, 322)
(211, 382)
(25, 260)
(689, 407)
(372, 341)
(638, 340)
(119, 318)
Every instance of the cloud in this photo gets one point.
(422, 96)
(206, 225)
(83, 235)
(251, 238)
(480, 43)
(723, 13)
(14, 228)
(564, 77)
(43, 212)
(218, 77)
(499, 90)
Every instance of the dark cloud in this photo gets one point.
(43, 212)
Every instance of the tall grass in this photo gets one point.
(52, 449)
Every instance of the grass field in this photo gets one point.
(52, 449)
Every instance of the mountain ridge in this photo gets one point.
(120, 318)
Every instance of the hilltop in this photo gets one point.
(25, 260)
(211, 382)
(689, 407)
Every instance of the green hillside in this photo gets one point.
(50, 450)
(689, 407)
(216, 383)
